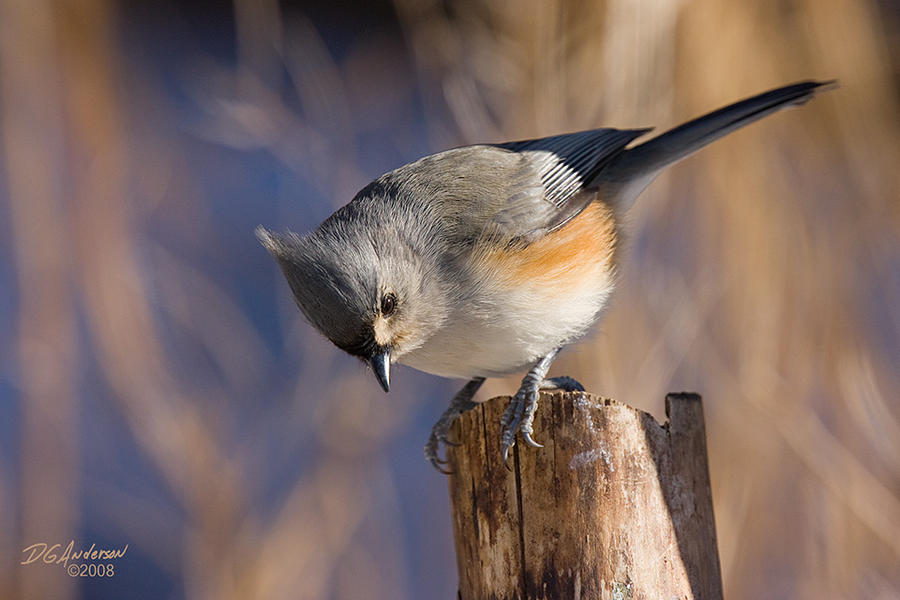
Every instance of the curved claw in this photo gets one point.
(436, 463)
(432, 448)
(431, 452)
(506, 457)
(527, 436)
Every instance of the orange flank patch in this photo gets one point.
(578, 253)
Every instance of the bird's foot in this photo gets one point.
(461, 403)
(519, 415)
(439, 436)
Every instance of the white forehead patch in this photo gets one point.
(382, 331)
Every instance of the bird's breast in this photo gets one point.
(519, 303)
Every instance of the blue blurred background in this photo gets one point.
(159, 389)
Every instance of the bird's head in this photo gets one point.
(362, 286)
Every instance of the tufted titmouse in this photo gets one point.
(485, 260)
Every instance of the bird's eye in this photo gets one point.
(388, 305)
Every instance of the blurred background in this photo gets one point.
(159, 389)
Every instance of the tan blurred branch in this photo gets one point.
(166, 422)
(34, 168)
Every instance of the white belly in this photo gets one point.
(506, 333)
(521, 304)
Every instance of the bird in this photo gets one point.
(486, 260)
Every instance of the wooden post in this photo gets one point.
(614, 506)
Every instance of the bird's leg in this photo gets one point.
(462, 402)
(519, 415)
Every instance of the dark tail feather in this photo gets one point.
(639, 165)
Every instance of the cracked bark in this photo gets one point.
(614, 506)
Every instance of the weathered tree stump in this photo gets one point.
(614, 506)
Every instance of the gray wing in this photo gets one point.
(553, 181)
(512, 192)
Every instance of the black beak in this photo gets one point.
(381, 365)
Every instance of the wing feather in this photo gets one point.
(555, 179)
(508, 193)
